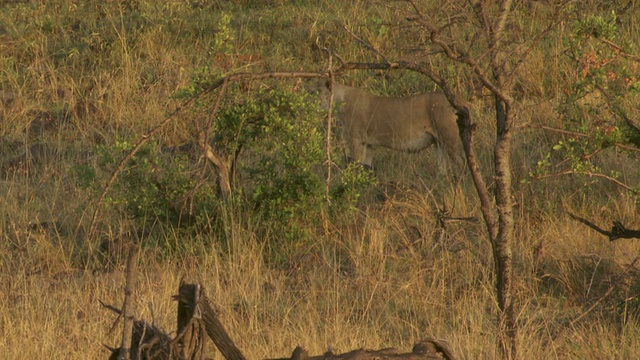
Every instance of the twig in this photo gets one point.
(555, 20)
(560, 131)
(115, 310)
(577, 134)
(558, 173)
(620, 49)
(366, 44)
(612, 179)
(601, 298)
(590, 174)
(329, 118)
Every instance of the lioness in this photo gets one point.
(409, 124)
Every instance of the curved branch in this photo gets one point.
(618, 231)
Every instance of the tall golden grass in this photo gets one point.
(374, 277)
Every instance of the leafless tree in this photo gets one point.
(483, 40)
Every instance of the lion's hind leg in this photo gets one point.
(451, 162)
(444, 161)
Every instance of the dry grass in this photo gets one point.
(374, 277)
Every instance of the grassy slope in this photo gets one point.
(372, 279)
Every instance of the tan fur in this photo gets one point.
(410, 124)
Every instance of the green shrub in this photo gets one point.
(279, 142)
(155, 185)
(283, 139)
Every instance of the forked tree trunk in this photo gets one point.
(502, 243)
(500, 231)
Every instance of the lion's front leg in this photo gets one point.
(367, 158)
(361, 152)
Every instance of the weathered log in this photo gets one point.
(428, 349)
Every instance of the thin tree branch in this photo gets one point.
(577, 134)
(559, 173)
(599, 175)
(366, 44)
(613, 180)
(620, 50)
(219, 160)
(459, 56)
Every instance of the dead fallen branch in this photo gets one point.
(196, 316)
(428, 349)
(618, 231)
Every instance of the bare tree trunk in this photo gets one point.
(503, 242)
(501, 233)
